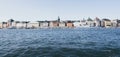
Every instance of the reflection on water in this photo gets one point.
(82, 42)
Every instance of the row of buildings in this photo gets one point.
(60, 24)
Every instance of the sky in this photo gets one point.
(34, 10)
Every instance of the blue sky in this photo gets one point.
(33, 10)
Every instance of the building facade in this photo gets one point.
(106, 23)
(76, 24)
(62, 24)
(97, 22)
(90, 22)
(69, 24)
(33, 25)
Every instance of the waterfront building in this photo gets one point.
(62, 24)
(10, 23)
(40, 23)
(13, 26)
(83, 23)
(4, 25)
(118, 23)
(97, 22)
(76, 24)
(69, 24)
(43, 24)
(106, 23)
(19, 24)
(54, 24)
(90, 22)
(115, 23)
(33, 25)
(25, 24)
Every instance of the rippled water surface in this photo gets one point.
(82, 42)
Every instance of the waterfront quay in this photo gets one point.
(58, 23)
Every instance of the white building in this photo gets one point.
(83, 23)
(114, 23)
(62, 24)
(106, 23)
(76, 24)
(44, 24)
(97, 22)
(54, 24)
(90, 22)
(33, 25)
(4, 25)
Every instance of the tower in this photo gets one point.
(58, 19)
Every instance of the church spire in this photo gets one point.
(58, 19)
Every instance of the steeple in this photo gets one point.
(58, 19)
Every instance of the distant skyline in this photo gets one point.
(33, 10)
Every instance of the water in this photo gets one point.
(83, 42)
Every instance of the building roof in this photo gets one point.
(89, 19)
(4, 22)
(97, 19)
(106, 19)
(25, 21)
(83, 20)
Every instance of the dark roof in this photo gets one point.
(4, 22)
(69, 21)
(17, 21)
(25, 21)
(106, 19)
